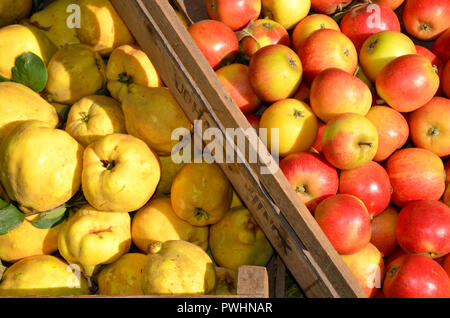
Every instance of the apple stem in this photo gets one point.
(300, 189)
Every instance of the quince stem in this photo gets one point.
(200, 213)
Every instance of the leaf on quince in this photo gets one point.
(4, 79)
(11, 217)
(49, 219)
(30, 71)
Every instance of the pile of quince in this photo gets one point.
(91, 200)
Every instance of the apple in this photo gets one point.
(415, 174)
(423, 227)
(261, 33)
(310, 24)
(383, 231)
(216, 41)
(317, 145)
(393, 4)
(349, 141)
(363, 20)
(446, 198)
(416, 276)
(367, 266)
(234, 78)
(370, 183)
(426, 19)
(234, 13)
(275, 72)
(329, 6)
(430, 126)
(381, 48)
(435, 61)
(326, 48)
(446, 264)
(408, 82)
(445, 80)
(344, 220)
(447, 172)
(302, 93)
(392, 128)
(334, 92)
(254, 120)
(441, 47)
(286, 12)
(296, 124)
(394, 255)
(312, 178)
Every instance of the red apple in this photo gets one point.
(216, 41)
(254, 120)
(441, 47)
(302, 93)
(329, 6)
(261, 33)
(318, 143)
(435, 61)
(234, 78)
(394, 255)
(393, 4)
(326, 48)
(446, 264)
(311, 176)
(408, 82)
(366, 19)
(426, 19)
(349, 141)
(367, 266)
(234, 13)
(310, 24)
(423, 227)
(447, 172)
(415, 174)
(445, 80)
(392, 128)
(275, 72)
(383, 231)
(345, 221)
(416, 276)
(334, 92)
(446, 198)
(430, 126)
(370, 183)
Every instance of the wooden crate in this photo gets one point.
(285, 220)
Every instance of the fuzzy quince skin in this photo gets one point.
(42, 275)
(40, 166)
(120, 173)
(91, 237)
(14, 10)
(178, 268)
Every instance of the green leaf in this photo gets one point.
(49, 219)
(30, 70)
(4, 79)
(10, 216)
(63, 112)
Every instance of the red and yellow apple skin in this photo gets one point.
(234, 78)
(415, 174)
(392, 128)
(312, 178)
(426, 19)
(329, 6)
(445, 79)
(317, 146)
(234, 13)
(393, 4)
(261, 33)
(370, 183)
(423, 227)
(275, 72)
(398, 252)
(349, 141)
(345, 221)
(367, 266)
(334, 92)
(383, 231)
(447, 172)
(416, 276)
(308, 25)
(286, 12)
(326, 48)
(430, 126)
(446, 264)
(407, 83)
(446, 198)
(441, 47)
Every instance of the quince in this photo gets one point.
(152, 114)
(178, 268)
(40, 166)
(201, 194)
(17, 39)
(101, 26)
(120, 173)
(226, 281)
(237, 240)
(93, 117)
(123, 277)
(169, 170)
(128, 64)
(75, 71)
(14, 10)
(42, 275)
(156, 222)
(236, 201)
(91, 237)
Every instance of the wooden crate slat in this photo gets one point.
(311, 259)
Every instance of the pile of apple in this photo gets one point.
(360, 95)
